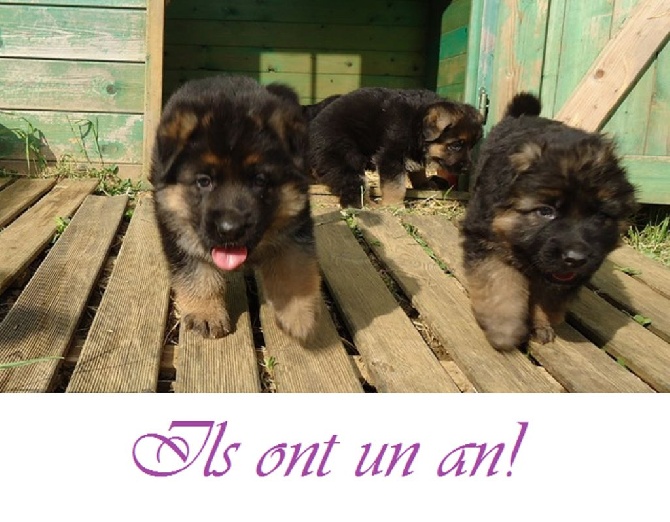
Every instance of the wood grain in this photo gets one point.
(618, 66)
(652, 273)
(20, 195)
(43, 319)
(323, 366)
(393, 350)
(4, 181)
(223, 365)
(153, 78)
(23, 240)
(444, 306)
(122, 351)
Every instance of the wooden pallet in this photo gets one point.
(382, 289)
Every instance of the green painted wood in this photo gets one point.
(307, 37)
(350, 12)
(137, 4)
(552, 58)
(72, 33)
(64, 134)
(454, 42)
(587, 30)
(250, 59)
(519, 51)
(481, 50)
(651, 176)
(657, 141)
(456, 15)
(632, 115)
(453, 92)
(309, 87)
(66, 85)
(452, 70)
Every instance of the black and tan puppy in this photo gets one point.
(549, 204)
(231, 188)
(399, 131)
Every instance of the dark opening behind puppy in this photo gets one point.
(231, 188)
(549, 204)
(399, 131)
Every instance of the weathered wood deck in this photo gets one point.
(97, 307)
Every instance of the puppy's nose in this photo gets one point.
(231, 225)
(574, 257)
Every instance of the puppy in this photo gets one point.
(398, 131)
(549, 204)
(231, 191)
(310, 111)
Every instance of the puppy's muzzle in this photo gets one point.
(231, 225)
(575, 257)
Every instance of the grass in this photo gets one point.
(651, 234)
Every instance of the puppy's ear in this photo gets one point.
(439, 117)
(524, 159)
(172, 135)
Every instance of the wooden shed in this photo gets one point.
(85, 79)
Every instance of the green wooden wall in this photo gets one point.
(547, 46)
(320, 47)
(72, 72)
(453, 49)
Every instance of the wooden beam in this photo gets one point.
(153, 85)
(618, 66)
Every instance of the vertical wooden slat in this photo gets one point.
(153, 84)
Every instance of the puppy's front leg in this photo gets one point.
(547, 308)
(499, 299)
(292, 285)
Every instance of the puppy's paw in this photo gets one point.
(298, 319)
(543, 334)
(211, 325)
(507, 336)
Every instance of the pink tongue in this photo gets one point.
(567, 276)
(229, 258)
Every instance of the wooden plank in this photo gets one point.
(42, 321)
(4, 181)
(652, 273)
(618, 66)
(308, 86)
(634, 296)
(323, 366)
(580, 366)
(153, 79)
(223, 365)
(553, 56)
(25, 238)
(657, 141)
(457, 14)
(393, 350)
(72, 33)
(519, 51)
(137, 4)
(452, 70)
(70, 135)
(445, 307)
(314, 36)
(644, 353)
(454, 91)
(454, 43)
(352, 12)
(20, 195)
(571, 359)
(122, 351)
(77, 86)
(253, 60)
(649, 174)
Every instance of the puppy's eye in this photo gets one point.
(456, 146)
(546, 212)
(260, 180)
(203, 181)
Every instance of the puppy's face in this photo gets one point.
(567, 208)
(229, 175)
(450, 131)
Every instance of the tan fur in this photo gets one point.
(436, 120)
(505, 222)
(292, 285)
(180, 126)
(499, 299)
(175, 199)
(546, 312)
(200, 298)
(524, 159)
(393, 191)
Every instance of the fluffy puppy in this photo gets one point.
(231, 190)
(310, 111)
(399, 131)
(549, 204)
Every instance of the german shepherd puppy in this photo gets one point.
(231, 190)
(398, 131)
(549, 204)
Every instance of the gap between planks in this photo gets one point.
(20, 195)
(42, 321)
